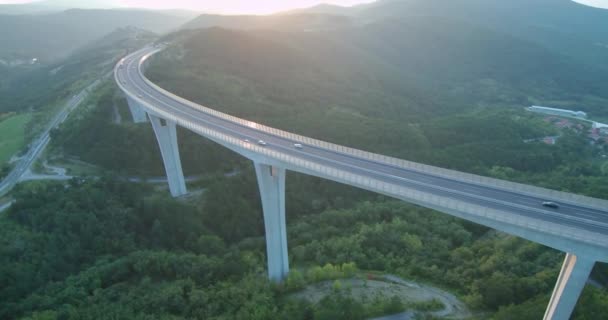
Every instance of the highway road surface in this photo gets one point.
(578, 215)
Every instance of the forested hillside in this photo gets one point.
(444, 91)
(31, 88)
(457, 99)
(103, 249)
(426, 65)
(563, 26)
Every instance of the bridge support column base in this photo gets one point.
(166, 135)
(570, 283)
(271, 181)
(138, 113)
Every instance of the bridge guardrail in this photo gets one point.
(549, 194)
(448, 203)
(395, 190)
(444, 202)
(386, 188)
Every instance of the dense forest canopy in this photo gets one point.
(107, 249)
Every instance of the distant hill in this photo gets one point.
(562, 26)
(323, 8)
(411, 68)
(285, 22)
(37, 86)
(54, 36)
(49, 6)
(334, 9)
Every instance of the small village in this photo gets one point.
(576, 121)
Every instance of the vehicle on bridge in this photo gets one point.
(551, 204)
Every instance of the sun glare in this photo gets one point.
(249, 6)
(237, 6)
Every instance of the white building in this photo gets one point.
(558, 112)
(601, 126)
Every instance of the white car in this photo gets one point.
(297, 146)
(246, 140)
(262, 143)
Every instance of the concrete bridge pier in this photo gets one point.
(271, 181)
(137, 112)
(570, 283)
(166, 135)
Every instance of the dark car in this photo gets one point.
(550, 204)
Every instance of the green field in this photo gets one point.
(12, 135)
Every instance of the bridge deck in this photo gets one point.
(589, 216)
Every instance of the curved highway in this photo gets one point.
(586, 216)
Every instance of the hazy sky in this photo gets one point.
(224, 6)
(248, 6)
(251, 6)
(595, 3)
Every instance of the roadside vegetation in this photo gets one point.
(100, 248)
(31, 95)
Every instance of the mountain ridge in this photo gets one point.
(54, 36)
(50, 6)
